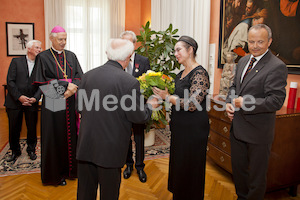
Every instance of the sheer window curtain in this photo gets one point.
(192, 18)
(89, 25)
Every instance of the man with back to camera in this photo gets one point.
(257, 92)
(105, 127)
(22, 98)
(137, 66)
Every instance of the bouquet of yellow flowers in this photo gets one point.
(156, 79)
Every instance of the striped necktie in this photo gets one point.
(249, 67)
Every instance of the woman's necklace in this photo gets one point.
(65, 66)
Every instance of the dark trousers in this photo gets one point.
(90, 175)
(249, 168)
(15, 118)
(139, 137)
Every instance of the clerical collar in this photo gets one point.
(59, 52)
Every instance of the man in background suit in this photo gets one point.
(106, 120)
(22, 97)
(137, 66)
(257, 92)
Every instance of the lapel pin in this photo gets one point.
(256, 71)
(137, 67)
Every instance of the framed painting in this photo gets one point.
(17, 35)
(282, 16)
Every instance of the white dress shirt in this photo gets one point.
(246, 66)
(30, 64)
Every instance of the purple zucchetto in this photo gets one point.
(58, 29)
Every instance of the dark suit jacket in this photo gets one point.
(141, 63)
(104, 135)
(266, 83)
(18, 84)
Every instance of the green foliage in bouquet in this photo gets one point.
(162, 81)
(158, 46)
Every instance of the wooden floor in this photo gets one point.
(218, 185)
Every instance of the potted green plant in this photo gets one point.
(158, 46)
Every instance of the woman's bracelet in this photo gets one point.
(167, 98)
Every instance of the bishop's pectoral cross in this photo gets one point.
(66, 77)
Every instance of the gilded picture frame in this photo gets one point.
(282, 16)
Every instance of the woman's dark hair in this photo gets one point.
(189, 42)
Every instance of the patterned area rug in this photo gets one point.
(23, 165)
(161, 147)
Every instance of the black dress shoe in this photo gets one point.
(32, 155)
(142, 175)
(12, 157)
(63, 182)
(127, 172)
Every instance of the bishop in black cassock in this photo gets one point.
(58, 128)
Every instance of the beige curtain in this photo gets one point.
(191, 17)
(89, 24)
(54, 15)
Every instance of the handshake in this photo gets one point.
(153, 100)
(158, 96)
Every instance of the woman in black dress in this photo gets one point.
(189, 124)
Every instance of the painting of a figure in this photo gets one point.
(285, 24)
(20, 38)
(18, 34)
(282, 16)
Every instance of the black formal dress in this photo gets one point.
(58, 129)
(18, 83)
(189, 134)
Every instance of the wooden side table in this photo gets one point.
(284, 163)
